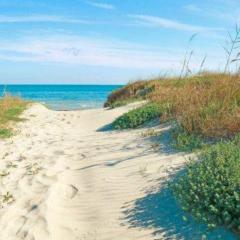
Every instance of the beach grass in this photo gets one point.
(10, 111)
(184, 141)
(207, 104)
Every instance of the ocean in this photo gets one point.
(63, 97)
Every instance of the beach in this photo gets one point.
(64, 176)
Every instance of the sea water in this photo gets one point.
(62, 97)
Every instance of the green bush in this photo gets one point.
(184, 141)
(137, 117)
(210, 187)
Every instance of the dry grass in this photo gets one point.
(208, 104)
(10, 109)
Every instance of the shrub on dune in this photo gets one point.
(210, 187)
(137, 117)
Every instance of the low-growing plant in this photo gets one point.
(137, 117)
(150, 133)
(184, 141)
(210, 187)
(5, 133)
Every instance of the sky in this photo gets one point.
(110, 41)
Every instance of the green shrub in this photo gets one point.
(137, 117)
(210, 187)
(184, 141)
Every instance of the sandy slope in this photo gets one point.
(67, 181)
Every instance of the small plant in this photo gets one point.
(149, 133)
(183, 141)
(33, 169)
(5, 133)
(11, 165)
(210, 187)
(137, 117)
(7, 198)
(232, 47)
(10, 109)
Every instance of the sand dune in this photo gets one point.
(62, 179)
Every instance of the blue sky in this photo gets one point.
(109, 41)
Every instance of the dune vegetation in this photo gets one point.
(137, 117)
(212, 110)
(132, 92)
(10, 109)
(204, 111)
(209, 189)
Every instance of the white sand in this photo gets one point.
(68, 181)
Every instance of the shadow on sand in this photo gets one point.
(160, 211)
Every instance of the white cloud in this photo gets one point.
(154, 21)
(226, 11)
(101, 5)
(86, 51)
(82, 51)
(41, 18)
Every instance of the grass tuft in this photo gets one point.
(10, 110)
(186, 142)
(5, 133)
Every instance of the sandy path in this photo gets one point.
(68, 181)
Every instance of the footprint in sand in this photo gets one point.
(70, 191)
(67, 191)
(59, 152)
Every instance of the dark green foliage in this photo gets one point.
(137, 117)
(210, 187)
